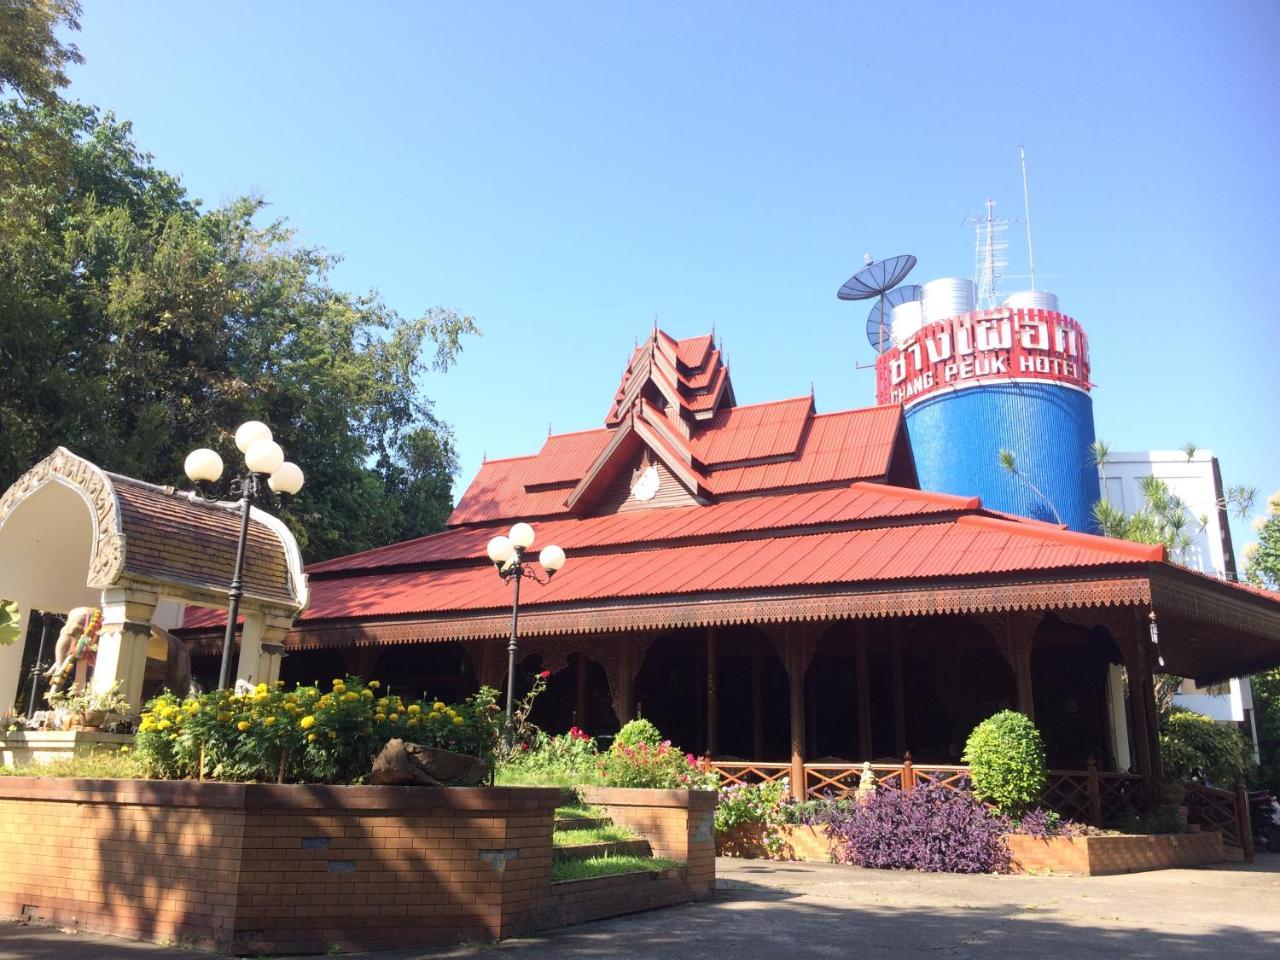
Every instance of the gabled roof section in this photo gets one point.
(689, 375)
(675, 400)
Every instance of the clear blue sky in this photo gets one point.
(564, 172)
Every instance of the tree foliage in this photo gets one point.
(1196, 747)
(32, 57)
(135, 326)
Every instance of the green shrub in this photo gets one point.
(1006, 760)
(635, 732)
(642, 758)
(568, 759)
(302, 735)
(1195, 747)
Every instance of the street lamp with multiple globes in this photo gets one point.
(508, 555)
(263, 459)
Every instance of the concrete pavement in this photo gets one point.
(764, 910)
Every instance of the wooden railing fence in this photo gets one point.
(1088, 795)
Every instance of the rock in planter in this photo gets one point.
(412, 764)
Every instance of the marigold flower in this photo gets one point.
(374, 684)
(366, 693)
(437, 705)
(269, 722)
(350, 697)
(395, 717)
(457, 721)
(242, 726)
(307, 722)
(311, 738)
(414, 708)
(379, 717)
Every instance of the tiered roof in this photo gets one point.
(675, 405)
(771, 512)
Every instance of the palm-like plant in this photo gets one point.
(1010, 462)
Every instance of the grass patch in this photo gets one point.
(576, 838)
(607, 867)
(98, 765)
(513, 776)
(578, 811)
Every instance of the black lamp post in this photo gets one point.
(264, 461)
(508, 555)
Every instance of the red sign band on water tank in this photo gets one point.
(984, 347)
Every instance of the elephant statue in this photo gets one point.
(168, 660)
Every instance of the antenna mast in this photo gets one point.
(1026, 205)
(990, 257)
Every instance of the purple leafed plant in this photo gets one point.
(930, 828)
(1044, 824)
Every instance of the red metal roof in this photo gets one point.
(859, 534)
(756, 432)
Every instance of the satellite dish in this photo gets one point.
(876, 279)
(878, 320)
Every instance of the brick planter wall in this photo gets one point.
(264, 868)
(679, 825)
(1096, 856)
(801, 842)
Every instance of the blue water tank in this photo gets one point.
(957, 437)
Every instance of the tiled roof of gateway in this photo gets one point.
(865, 532)
(676, 400)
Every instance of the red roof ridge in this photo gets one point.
(872, 409)
(522, 456)
(1139, 551)
(924, 496)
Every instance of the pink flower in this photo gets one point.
(544, 674)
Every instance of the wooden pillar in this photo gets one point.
(899, 693)
(581, 705)
(1020, 641)
(1135, 665)
(795, 678)
(757, 699)
(624, 697)
(713, 704)
(862, 692)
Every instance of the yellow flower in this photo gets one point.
(437, 705)
(379, 717)
(457, 721)
(350, 697)
(163, 725)
(311, 738)
(374, 684)
(261, 688)
(413, 722)
(307, 722)
(433, 715)
(269, 722)
(242, 726)
(394, 717)
(337, 683)
(414, 708)
(366, 693)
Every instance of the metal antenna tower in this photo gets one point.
(1026, 206)
(990, 254)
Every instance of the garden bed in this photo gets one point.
(798, 842)
(1099, 856)
(294, 868)
(21, 748)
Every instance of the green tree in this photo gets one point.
(135, 325)
(31, 55)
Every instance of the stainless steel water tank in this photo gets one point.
(1032, 300)
(947, 297)
(907, 319)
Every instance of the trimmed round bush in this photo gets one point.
(1006, 761)
(636, 732)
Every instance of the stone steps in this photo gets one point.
(582, 823)
(613, 848)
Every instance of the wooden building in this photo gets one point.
(768, 585)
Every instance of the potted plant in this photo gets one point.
(84, 709)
